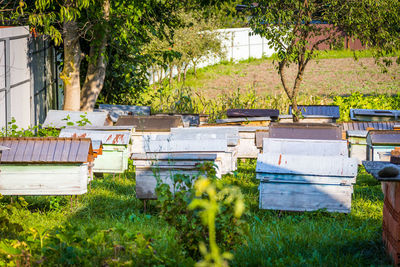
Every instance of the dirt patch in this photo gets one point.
(323, 77)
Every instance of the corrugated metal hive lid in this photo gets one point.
(118, 110)
(383, 137)
(322, 110)
(56, 118)
(151, 123)
(106, 137)
(354, 113)
(318, 131)
(252, 112)
(362, 126)
(46, 150)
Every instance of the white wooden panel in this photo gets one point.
(231, 140)
(358, 152)
(233, 131)
(55, 118)
(309, 179)
(305, 147)
(2, 109)
(43, 179)
(305, 197)
(306, 165)
(247, 149)
(212, 145)
(19, 61)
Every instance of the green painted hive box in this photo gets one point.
(381, 143)
(116, 146)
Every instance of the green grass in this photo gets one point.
(274, 238)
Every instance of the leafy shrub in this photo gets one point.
(174, 208)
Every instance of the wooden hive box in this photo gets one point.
(245, 113)
(45, 166)
(151, 167)
(374, 115)
(357, 144)
(116, 146)
(305, 175)
(381, 143)
(58, 118)
(314, 114)
(148, 125)
(188, 120)
(118, 110)
(315, 131)
(226, 157)
(244, 121)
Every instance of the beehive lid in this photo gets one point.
(357, 133)
(46, 150)
(58, 118)
(151, 123)
(329, 111)
(383, 137)
(317, 131)
(374, 113)
(106, 137)
(252, 113)
(118, 110)
(363, 126)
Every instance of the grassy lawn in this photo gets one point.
(274, 238)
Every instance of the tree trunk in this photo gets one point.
(171, 67)
(72, 61)
(179, 69)
(96, 72)
(184, 72)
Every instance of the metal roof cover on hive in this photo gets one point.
(252, 113)
(318, 131)
(151, 123)
(118, 110)
(362, 126)
(360, 114)
(106, 137)
(46, 150)
(57, 118)
(383, 137)
(321, 110)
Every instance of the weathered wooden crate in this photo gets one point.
(316, 131)
(168, 144)
(357, 144)
(374, 115)
(247, 147)
(116, 147)
(305, 147)
(153, 167)
(296, 182)
(45, 166)
(117, 110)
(245, 121)
(381, 143)
(58, 118)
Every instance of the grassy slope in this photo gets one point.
(276, 239)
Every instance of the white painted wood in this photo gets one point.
(55, 118)
(211, 145)
(308, 179)
(306, 165)
(305, 147)
(43, 179)
(305, 197)
(106, 137)
(173, 156)
(231, 140)
(358, 152)
(229, 130)
(247, 148)
(138, 142)
(4, 148)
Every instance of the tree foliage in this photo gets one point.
(297, 29)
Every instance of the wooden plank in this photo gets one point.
(305, 147)
(55, 118)
(306, 165)
(260, 135)
(111, 161)
(252, 112)
(308, 179)
(173, 156)
(305, 197)
(151, 123)
(247, 149)
(231, 140)
(46, 179)
(317, 131)
(212, 145)
(106, 137)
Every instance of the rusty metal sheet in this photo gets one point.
(363, 126)
(151, 123)
(273, 113)
(106, 137)
(320, 110)
(45, 150)
(374, 115)
(317, 131)
(118, 110)
(387, 137)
